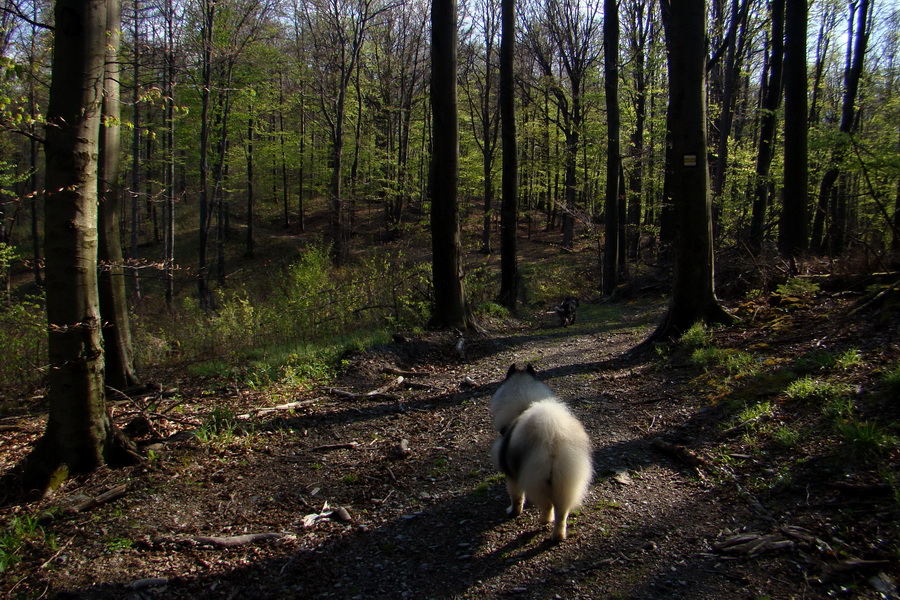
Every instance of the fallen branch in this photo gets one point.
(749, 544)
(742, 425)
(379, 393)
(415, 385)
(107, 496)
(327, 447)
(396, 371)
(223, 542)
(256, 412)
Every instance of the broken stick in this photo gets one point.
(107, 496)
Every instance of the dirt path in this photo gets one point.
(429, 523)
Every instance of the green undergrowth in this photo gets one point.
(829, 399)
(297, 332)
(16, 537)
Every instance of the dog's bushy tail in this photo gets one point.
(562, 464)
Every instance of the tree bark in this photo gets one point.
(613, 155)
(793, 224)
(768, 123)
(451, 307)
(80, 435)
(509, 209)
(206, 193)
(693, 293)
(857, 42)
(135, 154)
(120, 371)
(250, 244)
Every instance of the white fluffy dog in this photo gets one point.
(543, 449)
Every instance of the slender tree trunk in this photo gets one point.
(636, 180)
(37, 247)
(80, 435)
(509, 268)
(451, 307)
(284, 175)
(571, 156)
(822, 44)
(250, 245)
(120, 372)
(613, 153)
(135, 158)
(169, 158)
(856, 49)
(731, 69)
(338, 217)
(793, 224)
(768, 125)
(207, 194)
(301, 217)
(895, 239)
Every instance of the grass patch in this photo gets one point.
(492, 309)
(756, 412)
(735, 362)
(697, 336)
(866, 438)
(220, 426)
(786, 437)
(21, 532)
(823, 360)
(892, 380)
(488, 483)
(798, 286)
(812, 389)
(839, 408)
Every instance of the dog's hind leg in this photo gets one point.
(547, 513)
(516, 498)
(559, 527)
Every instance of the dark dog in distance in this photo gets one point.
(567, 311)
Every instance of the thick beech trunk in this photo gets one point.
(693, 294)
(80, 435)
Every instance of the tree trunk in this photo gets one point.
(693, 293)
(451, 308)
(33, 162)
(301, 218)
(250, 246)
(207, 194)
(135, 156)
(169, 158)
(281, 135)
(731, 70)
(80, 435)
(856, 50)
(120, 372)
(613, 157)
(768, 124)
(509, 209)
(792, 229)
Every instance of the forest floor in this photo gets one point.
(379, 487)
